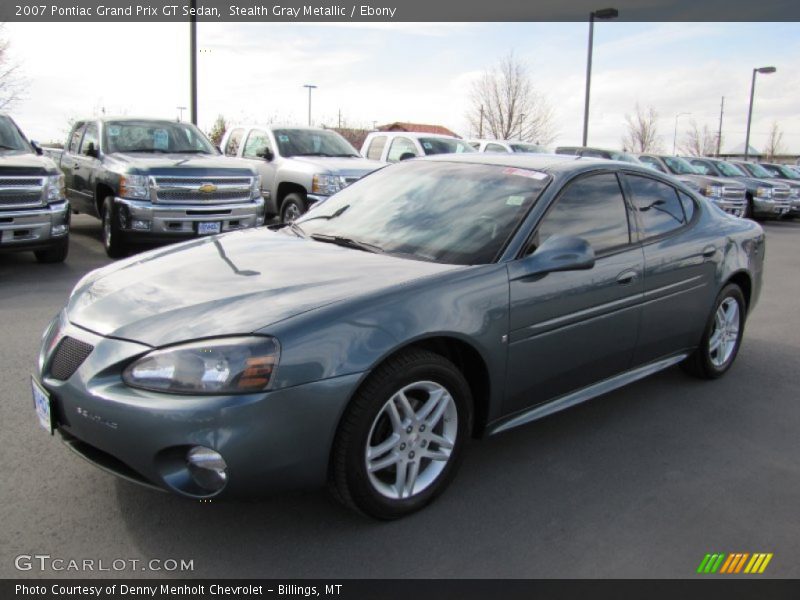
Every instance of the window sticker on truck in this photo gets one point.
(113, 130)
(160, 139)
(283, 138)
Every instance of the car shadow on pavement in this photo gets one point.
(629, 476)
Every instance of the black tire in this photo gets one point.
(749, 211)
(113, 237)
(293, 206)
(57, 253)
(349, 481)
(700, 363)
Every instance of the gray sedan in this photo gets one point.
(432, 301)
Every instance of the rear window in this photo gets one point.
(658, 205)
(434, 145)
(376, 146)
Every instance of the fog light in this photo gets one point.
(140, 225)
(59, 229)
(207, 468)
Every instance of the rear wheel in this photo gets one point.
(55, 254)
(113, 237)
(401, 438)
(293, 206)
(722, 336)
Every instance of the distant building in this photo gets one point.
(737, 153)
(353, 135)
(418, 127)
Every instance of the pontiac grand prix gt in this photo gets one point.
(362, 345)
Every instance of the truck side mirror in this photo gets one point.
(36, 147)
(267, 154)
(91, 150)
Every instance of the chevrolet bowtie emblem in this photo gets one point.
(208, 188)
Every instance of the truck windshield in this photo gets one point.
(154, 136)
(10, 137)
(781, 171)
(730, 170)
(758, 171)
(679, 166)
(312, 142)
(533, 148)
(442, 145)
(433, 211)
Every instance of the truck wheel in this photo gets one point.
(55, 254)
(293, 206)
(748, 209)
(113, 237)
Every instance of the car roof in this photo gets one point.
(548, 163)
(415, 134)
(274, 126)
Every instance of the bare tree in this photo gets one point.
(699, 142)
(218, 130)
(774, 142)
(505, 105)
(12, 84)
(642, 131)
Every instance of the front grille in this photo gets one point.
(21, 192)
(188, 190)
(69, 355)
(780, 193)
(733, 193)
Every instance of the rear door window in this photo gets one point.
(400, 147)
(235, 139)
(376, 146)
(658, 205)
(75, 138)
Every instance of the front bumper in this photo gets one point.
(770, 208)
(149, 220)
(270, 441)
(732, 207)
(33, 229)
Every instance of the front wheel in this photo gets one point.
(721, 337)
(56, 253)
(400, 441)
(113, 237)
(293, 206)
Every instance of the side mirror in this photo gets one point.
(558, 253)
(36, 147)
(407, 155)
(91, 150)
(266, 154)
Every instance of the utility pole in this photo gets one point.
(605, 13)
(340, 118)
(310, 87)
(719, 131)
(480, 125)
(193, 62)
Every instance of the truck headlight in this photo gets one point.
(235, 365)
(325, 184)
(54, 190)
(136, 187)
(255, 187)
(764, 192)
(712, 191)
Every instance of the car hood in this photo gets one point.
(199, 164)
(703, 180)
(25, 163)
(754, 182)
(230, 284)
(343, 166)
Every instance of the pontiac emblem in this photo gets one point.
(208, 188)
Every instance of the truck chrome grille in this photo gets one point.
(733, 193)
(21, 192)
(202, 190)
(69, 355)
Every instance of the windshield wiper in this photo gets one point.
(347, 242)
(333, 215)
(191, 151)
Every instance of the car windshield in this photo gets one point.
(781, 171)
(442, 145)
(730, 170)
(679, 166)
(312, 142)
(758, 171)
(532, 148)
(10, 137)
(452, 213)
(155, 136)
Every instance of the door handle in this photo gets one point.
(626, 277)
(709, 251)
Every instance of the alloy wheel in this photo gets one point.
(725, 334)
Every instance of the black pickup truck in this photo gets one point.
(34, 214)
(154, 181)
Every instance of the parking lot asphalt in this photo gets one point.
(642, 482)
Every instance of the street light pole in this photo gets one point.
(765, 71)
(605, 13)
(675, 135)
(310, 87)
(193, 63)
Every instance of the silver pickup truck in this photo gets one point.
(299, 166)
(155, 181)
(34, 214)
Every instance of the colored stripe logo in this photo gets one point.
(737, 562)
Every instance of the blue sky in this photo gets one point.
(416, 72)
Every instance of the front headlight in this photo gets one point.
(255, 188)
(325, 184)
(712, 191)
(764, 192)
(136, 187)
(54, 190)
(236, 365)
